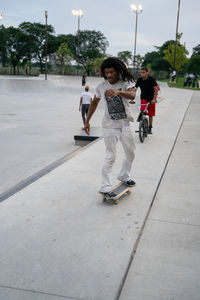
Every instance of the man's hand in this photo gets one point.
(111, 93)
(153, 101)
(132, 102)
(87, 128)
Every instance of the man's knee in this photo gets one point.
(110, 158)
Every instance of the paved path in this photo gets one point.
(167, 262)
(59, 241)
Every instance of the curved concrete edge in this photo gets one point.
(25, 182)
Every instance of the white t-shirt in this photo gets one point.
(86, 97)
(123, 111)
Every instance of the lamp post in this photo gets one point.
(1, 17)
(136, 10)
(175, 48)
(46, 42)
(78, 13)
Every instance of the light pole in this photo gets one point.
(176, 34)
(137, 11)
(78, 13)
(46, 43)
(1, 17)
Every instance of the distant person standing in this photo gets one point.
(195, 80)
(173, 75)
(149, 91)
(83, 80)
(85, 101)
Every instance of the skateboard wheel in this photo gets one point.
(129, 192)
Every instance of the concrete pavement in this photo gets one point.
(59, 241)
(38, 119)
(167, 261)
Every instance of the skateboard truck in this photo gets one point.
(120, 190)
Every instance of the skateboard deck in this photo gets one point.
(121, 189)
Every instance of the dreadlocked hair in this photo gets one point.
(119, 66)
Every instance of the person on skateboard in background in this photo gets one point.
(116, 91)
(149, 91)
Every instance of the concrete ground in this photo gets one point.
(38, 119)
(59, 241)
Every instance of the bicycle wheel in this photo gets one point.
(146, 127)
(142, 130)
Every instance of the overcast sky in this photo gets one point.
(114, 19)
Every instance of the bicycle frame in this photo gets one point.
(143, 120)
(143, 112)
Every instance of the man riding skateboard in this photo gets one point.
(116, 91)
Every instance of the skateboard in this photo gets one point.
(121, 189)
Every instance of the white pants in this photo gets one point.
(111, 137)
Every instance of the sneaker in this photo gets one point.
(149, 131)
(109, 195)
(130, 182)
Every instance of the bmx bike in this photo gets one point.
(143, 123)
(143, 120)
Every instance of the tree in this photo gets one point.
(155, 59)
(164, 47)
(89, 67)
(125, 56)
(193, 65)
(181, 53)
(150, 57)
(92, 66)
(12, 46)
(64, 55)
(69, 39)
(37, 37)
(160, 64)
(93, 44)
(97, 63)
(196, 50)
(3, 44)
(139, 61)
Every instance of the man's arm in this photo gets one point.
(154, 94)
(129, 94)
(91, 111)
(80, 103)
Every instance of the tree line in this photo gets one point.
(24, 46)
(162, 59)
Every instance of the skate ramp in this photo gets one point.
(38, 121)
(54, 84)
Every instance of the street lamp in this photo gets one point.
(136, 10)
(78, 13)
(1, 16)
(46, 42)
(176, 35)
